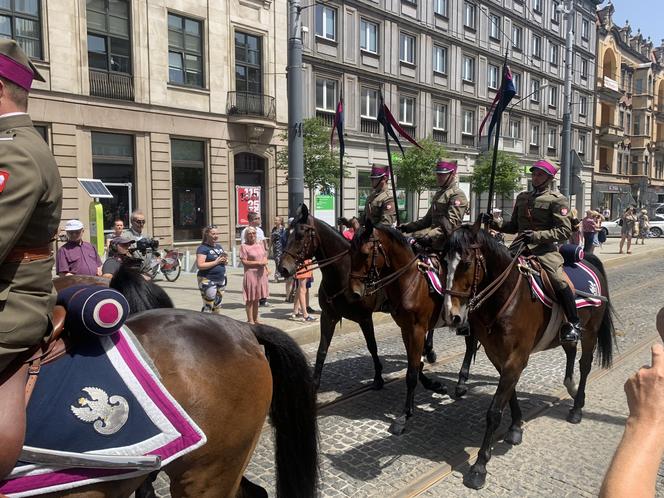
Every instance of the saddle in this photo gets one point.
(429, 264)
(531, 268)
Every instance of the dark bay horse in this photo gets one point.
(511, 325)
(381, 252)
(312, 238)
(228, 376)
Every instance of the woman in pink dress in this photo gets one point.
(254, 260)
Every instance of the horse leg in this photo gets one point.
(585, 363)
(464, 373)
(509, 376)
(414, 342)
(570, 385)
(515, 432)
(327, 326)
(431, 385)
(370, 338)
(429, 352)
(250, 490)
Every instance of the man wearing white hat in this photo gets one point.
(77, 257)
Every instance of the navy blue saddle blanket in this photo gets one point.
(583, 278)
(102, 397)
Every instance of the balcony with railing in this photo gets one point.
(611, 133)
(440, 136)
(369, 125)
(326, 117)
(410, 129)
(608, 88)
(111, 85)
(251, 108)
(468, 140)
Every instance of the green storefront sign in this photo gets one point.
(324, 203)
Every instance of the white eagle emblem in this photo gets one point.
(108, 414)
(592, 287)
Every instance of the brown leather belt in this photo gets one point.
(26, 254)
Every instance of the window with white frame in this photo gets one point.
(516, 79)
(440, 7)
(493, 77)
(369, 103)
(584, 69)
(553, 54)
(537, 46)
(468, 122)
(407, 48)
(369, 36)
(555, 13)
(494, 27)
(583, 105)
(534, 90)
(553, 96)
(468, 69)
(326, 94)
(534, 134)
(552, 138)
(326, 22)
(440, 116)
(582, 144)
(585, 29)
(407, 110)
(515, 128)
(517, 37)
(439, 59)
(469, 13)
(537, 6)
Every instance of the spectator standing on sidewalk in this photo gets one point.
(211, 260)
(118, 228)
(644, 227)
(276, 247)
(118, 255)
(255, 222)
(256, 271)
(589, 228)
(628, 230)
(76, 256)
(304, 278)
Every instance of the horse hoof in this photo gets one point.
(378, 384)
(439, 388)
(398, 426)
(514, 436)
(431, 356)
(460, 391)
(474, 479)
(574, 416)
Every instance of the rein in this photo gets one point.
(478, 300)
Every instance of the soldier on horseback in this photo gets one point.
(379, 207)
(448, 206)
(541, 219)
(30, 202)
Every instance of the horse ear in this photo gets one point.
(477, 225)
(369, 225)
(304, 212)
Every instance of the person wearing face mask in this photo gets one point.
(541, 219)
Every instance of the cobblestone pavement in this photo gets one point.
(360, 458)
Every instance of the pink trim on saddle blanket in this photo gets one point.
(434, 278)
(190, 437)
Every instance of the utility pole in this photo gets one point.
(295, 93)
(566, 157)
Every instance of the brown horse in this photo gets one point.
(312, 238)
(381, 257)
(228, 376)
(510, 324)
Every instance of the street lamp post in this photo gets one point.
(294, 91)
(566, 157)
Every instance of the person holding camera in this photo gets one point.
(211, 260)
(119, 252)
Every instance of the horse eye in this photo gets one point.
(464, 265)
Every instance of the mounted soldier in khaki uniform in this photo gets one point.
(448, 207)
(30, 203)
(541, 219)
(379, 207)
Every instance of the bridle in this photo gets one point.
(372, 278)
(309, 246)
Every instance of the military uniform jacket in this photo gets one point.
(447, 210)
(379, 208)
(547, 214)
(30, 203)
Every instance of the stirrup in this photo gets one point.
(570, 332)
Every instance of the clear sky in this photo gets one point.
(647, 15)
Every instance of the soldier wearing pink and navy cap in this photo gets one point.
(379, 207)
(448, 207)
(541, 218)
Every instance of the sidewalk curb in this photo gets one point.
(624, 258)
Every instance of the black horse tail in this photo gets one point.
(293, 414)
(606, 335)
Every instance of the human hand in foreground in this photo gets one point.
(645, 393)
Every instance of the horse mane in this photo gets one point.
(392, 233)
(464, 236)
(141, 294)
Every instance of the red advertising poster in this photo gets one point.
(247, 199)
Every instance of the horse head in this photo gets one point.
(466, 267)
(302, 242)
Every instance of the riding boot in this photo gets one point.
(570, 331)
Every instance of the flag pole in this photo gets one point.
(341, 171)
(492, 180)
(389, 162)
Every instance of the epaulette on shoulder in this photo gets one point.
(556, 193)
(8, 136)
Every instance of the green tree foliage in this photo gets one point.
(321, 164)
(508, 174)
(416, 170)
